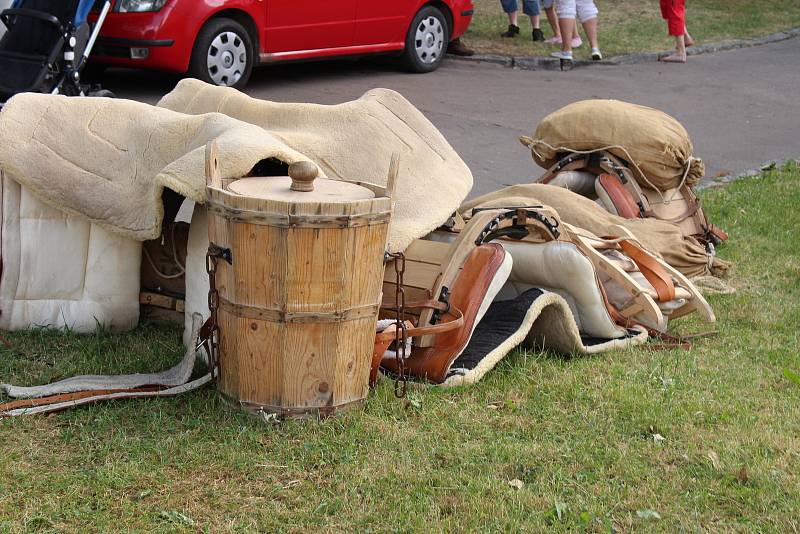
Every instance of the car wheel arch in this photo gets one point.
(243, 18)
(444, 8)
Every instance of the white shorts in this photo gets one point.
(583, 9)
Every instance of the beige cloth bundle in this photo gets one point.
(656, 145)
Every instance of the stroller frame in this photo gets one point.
(59, 69)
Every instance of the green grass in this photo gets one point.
(578, 432)
(628, 26)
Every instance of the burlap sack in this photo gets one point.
(645, 137)
(666, 239)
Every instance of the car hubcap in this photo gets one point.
(227, 58)
(429, 40)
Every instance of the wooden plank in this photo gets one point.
(309, 375)
(424, 251)
(421, 275)
(158, 300)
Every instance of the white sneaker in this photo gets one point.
(562, 55)
(596, 55)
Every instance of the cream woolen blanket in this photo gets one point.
(108, 160)
(354, 141)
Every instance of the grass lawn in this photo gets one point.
(638, 440)
(628, 26)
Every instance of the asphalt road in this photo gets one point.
(740, 107)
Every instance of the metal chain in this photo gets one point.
(401, 381)
(215, 252)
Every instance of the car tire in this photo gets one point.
(223, 54)
(426, 41)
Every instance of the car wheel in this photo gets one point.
(426, 42)
(223, 54)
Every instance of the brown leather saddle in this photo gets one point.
(621, 194)
(451, 297)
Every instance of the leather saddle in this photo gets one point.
(451, 286)
(619, 193)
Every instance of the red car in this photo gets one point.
(220, 41)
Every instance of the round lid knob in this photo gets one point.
(303, 174)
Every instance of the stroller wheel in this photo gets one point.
(103, 93)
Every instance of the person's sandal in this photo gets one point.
(538, 35)
(512, 31)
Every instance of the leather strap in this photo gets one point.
(717, 232)
(568, 163)
(691, 208)
(57, 403)
(653, 271)
(438, 328)
(385, 338)
(669, 342)
(623, 201)
(431, 304)
(53, 399)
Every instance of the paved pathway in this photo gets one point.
(741, 107)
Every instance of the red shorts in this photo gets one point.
(674, 11)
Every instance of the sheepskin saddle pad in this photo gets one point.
(536, 319)
(108, 160)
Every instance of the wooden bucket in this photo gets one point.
(299, 301)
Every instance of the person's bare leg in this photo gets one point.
(687, 39)
(680, 52)
(535, 21)
(552, 19)
(590, 27)
(567, 27)
(513, 19)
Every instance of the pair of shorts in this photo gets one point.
(582, 9)
(529, 7)
(547, 4)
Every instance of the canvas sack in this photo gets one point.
(657, 147)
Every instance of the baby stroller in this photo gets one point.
(46, 46)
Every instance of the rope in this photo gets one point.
(711, 285)
(181, 268)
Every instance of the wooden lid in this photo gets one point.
(302, 185)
